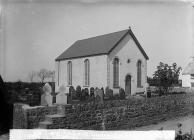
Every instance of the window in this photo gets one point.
(139, 73)
(69, 73)
(87, 72)
(192, 84)
(58, 71)
(116, 73)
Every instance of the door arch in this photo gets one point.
(128, 84)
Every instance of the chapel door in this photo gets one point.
(128, 85)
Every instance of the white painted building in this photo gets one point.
(187, 75)
(114, 60)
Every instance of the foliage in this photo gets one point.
(122, 93)
(92, 92)
(78, 91)
(166, 76)
(72, 92)
(151, 81)
(17, 91)
(44, 73)
(103, 91)
(109, 93)
(116, 97)
(82, 97)
(86, 93)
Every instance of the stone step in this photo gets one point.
(44, 124)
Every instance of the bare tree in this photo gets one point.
(32, 75)
(43, 74)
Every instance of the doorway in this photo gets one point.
(128, 85)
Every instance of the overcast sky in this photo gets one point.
(36, 32)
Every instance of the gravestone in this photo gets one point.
(46, 97)
(61, 96)
(98, 95)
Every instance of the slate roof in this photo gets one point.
(98, 45)
(189, 68)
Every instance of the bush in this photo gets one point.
(71, 88)
(91, 92)
(122, 93)
(86, 94)
(103, 92)
(109, 93)
(82, 95)
(116, 97)
(72, 93)
(98, 95)
(106, 90)
(78, 92)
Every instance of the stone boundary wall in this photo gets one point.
(112, 115)
(26, 117)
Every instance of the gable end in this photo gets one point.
(138, 44)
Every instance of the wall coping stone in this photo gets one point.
(55, 115)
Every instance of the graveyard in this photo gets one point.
(99, 111)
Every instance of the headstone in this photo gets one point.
(46, 97)
(98, 94)
(61, 96)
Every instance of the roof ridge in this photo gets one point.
(102, 35)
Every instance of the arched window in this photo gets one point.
(139, 73)
(116, 73)
(87, 72)
(69, 73)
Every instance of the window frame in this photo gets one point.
(86, 73)
(116, 72)
(69, 73)
(139, 74)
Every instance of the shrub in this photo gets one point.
(72, 93)
(106, 90)
(71, 88)
(91, 92)
(78, 92)
(103, 92)
(82, 95)
(122, 93)
(86, 94)
(116, 97)
(98, 95)
(109, 93)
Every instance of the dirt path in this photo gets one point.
(187, 124)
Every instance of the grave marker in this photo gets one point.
(61, 97)
(46, 97)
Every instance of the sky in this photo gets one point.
(35, 32)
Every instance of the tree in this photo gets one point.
(43, 74)
(166, 76)
(32, 75)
